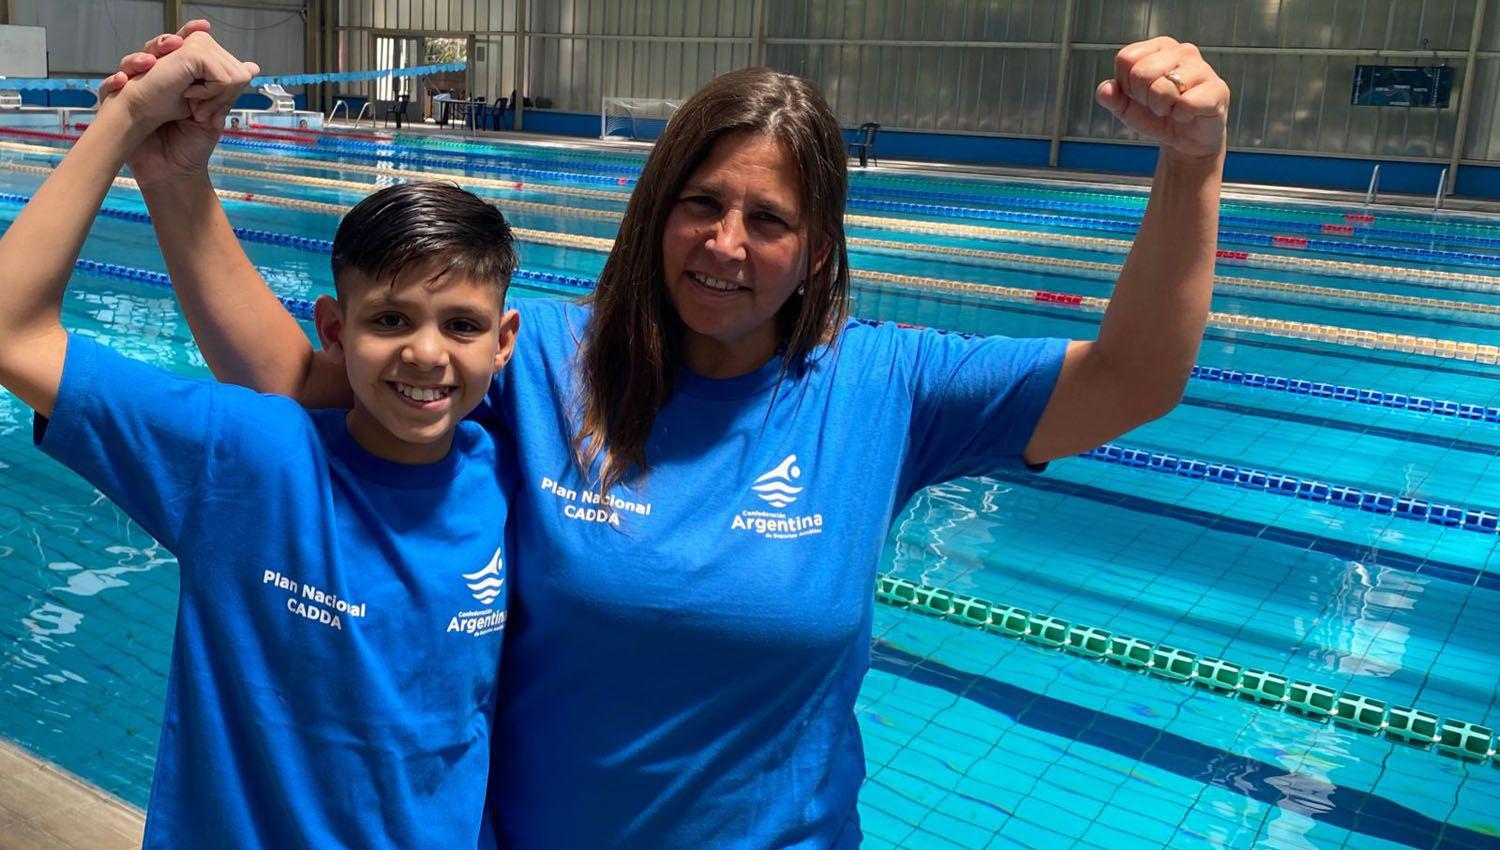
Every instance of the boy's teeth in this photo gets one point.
(423, 393)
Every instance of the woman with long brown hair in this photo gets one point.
(711, 453)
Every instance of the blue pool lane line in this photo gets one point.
(1134, 212)
(1486, 450)
(1344, 550)
(1307, 489)
(1347, 808)
(1357, 395)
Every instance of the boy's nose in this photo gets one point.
(425, 351)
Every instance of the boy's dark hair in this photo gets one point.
(409, 225)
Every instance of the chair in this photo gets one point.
(864, 143)
(473, 111)
(398, 109)
(497, 115)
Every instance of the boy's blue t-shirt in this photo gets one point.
(340, 621)
(687, 654)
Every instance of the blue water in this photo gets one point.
(973, 740)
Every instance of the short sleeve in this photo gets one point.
(975, 402)
(542, 366)
(136, 432)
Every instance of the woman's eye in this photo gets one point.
(702, 202)
(772, 219)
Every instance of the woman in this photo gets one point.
(711, 455)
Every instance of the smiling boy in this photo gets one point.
(343, 583)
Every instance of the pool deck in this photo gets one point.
(43, 807)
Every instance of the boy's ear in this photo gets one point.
(510, 326)
(328, 315)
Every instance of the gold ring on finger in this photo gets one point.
(1176, 80)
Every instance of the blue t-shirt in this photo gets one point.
(340, 621)
(687, 654)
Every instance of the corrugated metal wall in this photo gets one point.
(582, 51)
(964, 66)
(492, 23)
(88, 37)
(1291, 66)
(991, 66)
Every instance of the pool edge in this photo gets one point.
(45, 806)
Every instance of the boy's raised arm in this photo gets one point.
(38, 250)
(244, 333)
(37, 255)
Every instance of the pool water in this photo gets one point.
(973, 739)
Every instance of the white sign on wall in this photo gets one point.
(23, 51)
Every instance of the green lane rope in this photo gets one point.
(1319, 703)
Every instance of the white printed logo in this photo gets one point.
(775, 488)
(778, 490)
(486, 583)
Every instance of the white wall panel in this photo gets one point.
(89, 36)
(275, 39)
(1291, 95)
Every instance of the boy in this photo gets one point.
(343, 583)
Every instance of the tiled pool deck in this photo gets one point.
(45, 808)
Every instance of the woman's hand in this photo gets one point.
(181, 148)
(1164, 90)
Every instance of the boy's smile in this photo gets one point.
(419, 352)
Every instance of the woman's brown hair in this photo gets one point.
(631, 348)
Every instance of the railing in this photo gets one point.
(335, 111)
(1437, 199)
(1374, 186)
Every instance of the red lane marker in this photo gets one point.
(1342, 229)
(1289, 241)
(38, 134)
(1058, 298)
(1362, 218)
(281, 137)
(1232, 255)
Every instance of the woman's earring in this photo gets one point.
(801, 289)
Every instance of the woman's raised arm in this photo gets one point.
(1138, 367)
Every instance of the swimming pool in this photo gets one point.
(1311, 376)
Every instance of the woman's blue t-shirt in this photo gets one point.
(686, 654)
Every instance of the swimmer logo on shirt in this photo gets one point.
(484, 585)
(778, 488)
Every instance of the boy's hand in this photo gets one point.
(183, 85)
(1164, 90)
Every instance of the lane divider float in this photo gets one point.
(1335, 335)
(1430, 278)
(1319, 703)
